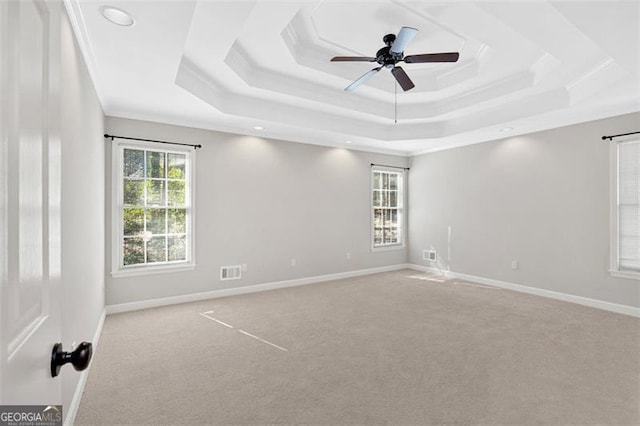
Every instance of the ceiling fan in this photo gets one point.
(393, 53)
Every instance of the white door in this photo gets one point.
(30, 308)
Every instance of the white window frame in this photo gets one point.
(117, 267)
(402, 197)
(614, 268)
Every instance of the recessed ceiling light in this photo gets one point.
(258, 128)
(348, 142)
(117, 16)
(506, 129)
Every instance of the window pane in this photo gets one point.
(377, 236)
(377, 180)
(393, 181)
(176, 166)
(377, 218)
(377, 198)
(151, 181)
(387, 218)
(393, 199)
(177, 248)
(629, 205)
(155, 192)
(133, 192)
(156, 221)
(133, 221)
(133, 163)
(156, 250)
(133, 251)
(155, 164)
(176, 193)
(390, 236)
(177, 221)
(386, 202)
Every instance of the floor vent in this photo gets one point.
(231, 272)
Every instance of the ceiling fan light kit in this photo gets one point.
(391, 54)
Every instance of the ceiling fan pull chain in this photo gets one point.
(395, 99)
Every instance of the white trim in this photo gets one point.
(388, 247)
(402, 209)
(76, 19)
(585, 301)
(625, 274)
(613, 206)
(185, 298)
(427, 269)
(152, 269)
(118, 270)
(72, 410)
(614, 231)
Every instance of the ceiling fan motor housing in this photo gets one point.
(389, 39)
(387, 58)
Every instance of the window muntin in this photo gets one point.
(387, 207)
(153, 203)
(628, 207)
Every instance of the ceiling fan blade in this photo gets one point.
(362, 79)
(352, 59)
(402, 78)
(432, 57)
(403, 38)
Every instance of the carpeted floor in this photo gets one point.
(392, 348)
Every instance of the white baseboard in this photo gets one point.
(185, 298)
(72, 410)
(585, 301)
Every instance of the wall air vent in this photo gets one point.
(231, 272)
(429, 255)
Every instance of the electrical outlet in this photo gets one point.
(514, 264)
(348, 256)
(244, 267)
(293, 262)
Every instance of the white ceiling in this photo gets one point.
(232, 65)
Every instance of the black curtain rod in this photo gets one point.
(617, 136)
(391, 167)
(151, 140)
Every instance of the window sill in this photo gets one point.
(389, 248)
(149, 270)
(625, 274)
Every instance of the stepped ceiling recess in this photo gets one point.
(235, 65)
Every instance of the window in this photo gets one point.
(387, 207)
(625, 215)
(153, 204)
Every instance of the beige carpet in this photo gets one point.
(392, 348)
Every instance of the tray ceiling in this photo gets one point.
(231, 66)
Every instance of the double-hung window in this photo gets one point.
(625, 212)
(153, 208)
(387, 207)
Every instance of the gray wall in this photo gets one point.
(263, 202)
(541, 199)
(82, 205)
